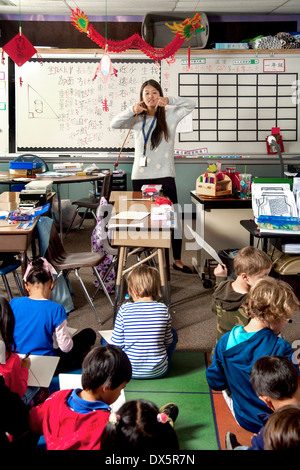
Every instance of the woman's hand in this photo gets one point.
(162, 102)
(139, 108)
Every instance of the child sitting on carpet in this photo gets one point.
(15, 433)
(139, 426)
(37, 318)
(275, 380)
(74, 419)
(282, 431)
(143, 327)
(269, 305)
(13, 369)
(250, 264)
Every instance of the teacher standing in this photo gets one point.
(154, 120)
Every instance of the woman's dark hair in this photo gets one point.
(105, 366)
(161, 127)
(7, 325)
(38, 273)
(275, 377)
(137, 429)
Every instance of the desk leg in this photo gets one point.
(200, 223)
(23, 260)
(162, 273)
(59, 212)
(119, 279)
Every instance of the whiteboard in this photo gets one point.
(4, 104)
(61, 106)
(239, 98)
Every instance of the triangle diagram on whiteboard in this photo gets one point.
(38, 107)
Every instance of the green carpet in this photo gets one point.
(186, 386)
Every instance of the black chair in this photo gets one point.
(91, 204)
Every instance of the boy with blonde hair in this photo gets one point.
(143, 327)
(269, 306)
(250, 264)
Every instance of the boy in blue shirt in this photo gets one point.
(269, 305)
(275, 380)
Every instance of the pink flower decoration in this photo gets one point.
(162, 418)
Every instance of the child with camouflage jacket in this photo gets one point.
(250, 264)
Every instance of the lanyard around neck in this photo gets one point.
(146, 136)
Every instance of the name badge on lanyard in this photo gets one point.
(143, 159)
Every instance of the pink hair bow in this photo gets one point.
(46, 265)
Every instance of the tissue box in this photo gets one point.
(162, 212)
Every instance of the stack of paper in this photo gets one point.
(292, 248)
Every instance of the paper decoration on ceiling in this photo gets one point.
(186, 30)
(105, 67)
(19, 49)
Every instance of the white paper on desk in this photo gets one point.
(130, 215)
(106, 334)
(203, 244)
(137, 224)
(41, 370)
(71, 381)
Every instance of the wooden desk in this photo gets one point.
(13, 239)
(58, 181)
(220, 228)
(155, 235)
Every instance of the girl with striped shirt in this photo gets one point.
(143, 327)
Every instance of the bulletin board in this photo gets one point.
(60, 105)
(239, 99)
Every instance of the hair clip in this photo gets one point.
(162, 418)
(114, 418)
(46, 265)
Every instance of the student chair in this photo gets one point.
(91, 204)
(10, 264)
(103, 215)
(64, 262)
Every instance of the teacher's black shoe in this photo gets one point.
(184, 269)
